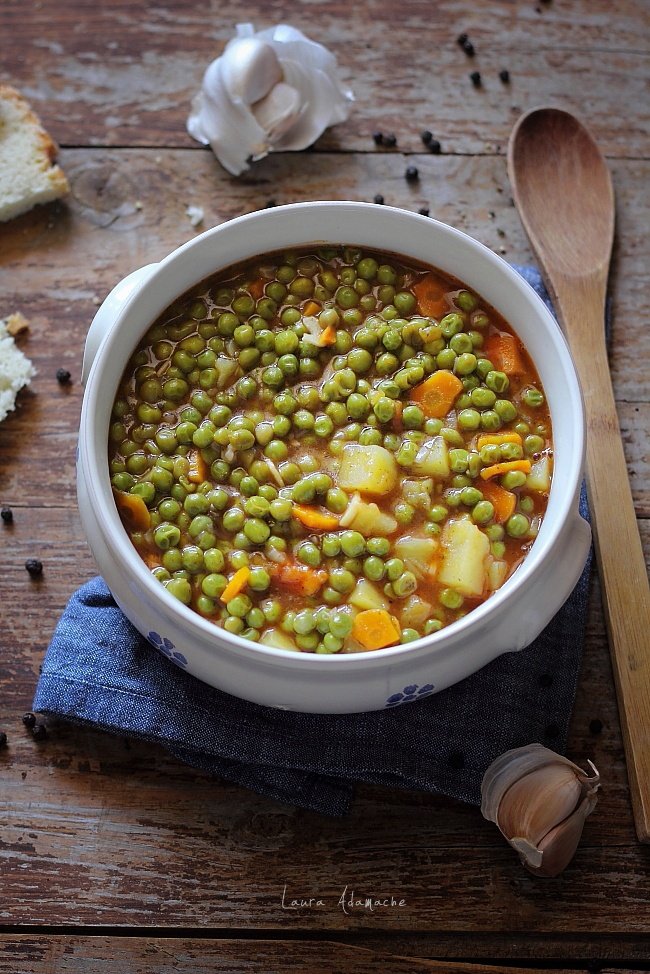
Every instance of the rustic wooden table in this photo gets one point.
(112, 853)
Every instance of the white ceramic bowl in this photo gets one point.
(508, 621)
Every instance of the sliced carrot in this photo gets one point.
(256, 288)
(299, 579)
(375, 629)
(437, 393)
(311, 308)
(198, 471)
(314, 518)
(430, 292)
(133, 510)
(497, 439)
(236, 584)
(498, 468)
(502, 349)
(327, 336)
(502, 500)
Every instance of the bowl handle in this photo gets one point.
(108, 312)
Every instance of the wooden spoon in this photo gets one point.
(563, 192)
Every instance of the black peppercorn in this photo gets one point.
(462, 39)
(424, 211)
(475, 78)
(34, 566)
(378, 138)
(468, 47)
(39, 733)
(426, 136)
(3, 740)
(7, 515)
(435, 147)
(390, 140)
(504, 76)
(62, 377)
(29, 719)
(411, 174)
(378, 198)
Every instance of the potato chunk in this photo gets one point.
(433, 459)
(365, 517)
(369, 469)
(464, 562)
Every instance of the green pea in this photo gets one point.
(384, 409)
(367, 268)
(378, 546)
(308, 553)
(511, 451)
(490, 421)
(505, 410)
(446, 358)
(196, 504)
(407, 453)
(466, 301)
(458, 460)
(256, 530)
(517, 525)
(470, 496)
(469, 419)
(497, 381)
(404, 512)
(342, 580)
(437, 513)
(166, 536)
(240, 606)
(450, 598)
(405, 585)
(256, 507)
(369, 436)
(280, 509)
(412, 418)
(259, 580)
(531, 397)
(180, 588)
(233, 519)
(373, 568)
(323, 426)
(352, 544)
(451, 324)
(465, 363)
(145, 490)
(482, 512)
(394, 568)
(533, 444)
(386, 363)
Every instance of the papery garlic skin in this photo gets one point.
(539, 800)
(271, 89)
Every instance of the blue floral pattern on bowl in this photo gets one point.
(167, 648)
(409, 694)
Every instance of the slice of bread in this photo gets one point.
(28, 174)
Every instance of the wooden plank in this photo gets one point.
(29, 954)
(112, 75)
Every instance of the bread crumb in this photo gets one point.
(17, 323)
(196, 214)
(16, 371)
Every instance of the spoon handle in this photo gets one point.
(624, 581)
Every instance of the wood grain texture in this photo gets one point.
(118, 74)
(24, 954)
(97, 830)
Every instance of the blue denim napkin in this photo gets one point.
(100, 672)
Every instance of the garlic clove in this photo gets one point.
(249, 69)
(559, 845)
(539, 800)
(278, 111)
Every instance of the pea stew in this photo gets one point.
(331, 451)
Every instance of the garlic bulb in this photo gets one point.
(274, 89)
(539, 800)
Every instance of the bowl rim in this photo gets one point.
(116, 538)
